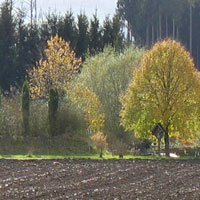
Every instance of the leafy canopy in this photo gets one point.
(107, 74)
(56, 70)
(164, 89)
(89, 102)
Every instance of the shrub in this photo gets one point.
(25, 107)
(100, 142)
(10, 115)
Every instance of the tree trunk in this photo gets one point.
(173, 21)
(157, 36)
(159, 146)
(160, 25)
(147, 35)
(101, 152)
(190, 28)
(177, 32)
(166, 26)
(152, 35)
(198, 55)
(128, 32)
(167, 143)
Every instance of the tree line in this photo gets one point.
(22, 44)
(151, 20)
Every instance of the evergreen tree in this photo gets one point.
(83, 40)
(1, 93)
(95, 37)
(107, 32)
(50, 27)
(7, 47)
(68, 30)
(152, 20)
(117, 33)
(34, 47)
(27, 49)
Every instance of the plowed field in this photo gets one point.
(100, 179)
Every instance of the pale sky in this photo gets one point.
(104, 7)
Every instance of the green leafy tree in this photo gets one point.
(165, 90)
(25, 107)
(107, 74)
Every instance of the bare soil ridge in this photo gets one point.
(99, 179)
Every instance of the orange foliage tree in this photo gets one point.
(100, 142)
(56, 70)
(165, 89)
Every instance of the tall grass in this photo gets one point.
(71, 137)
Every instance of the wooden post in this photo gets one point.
(89, 140)
(159, 140)
(159, 132)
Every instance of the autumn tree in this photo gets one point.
(164, 90)
(100, 142)
(89, 102)
(56, 70)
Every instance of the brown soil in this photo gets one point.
(100, 179)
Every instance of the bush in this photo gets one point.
(25, 107)
(10, 115)
(71, 128)
(142, 145)
(100, 142)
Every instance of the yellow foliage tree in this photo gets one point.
(91, 105)
(164, 90)
(54, 71)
